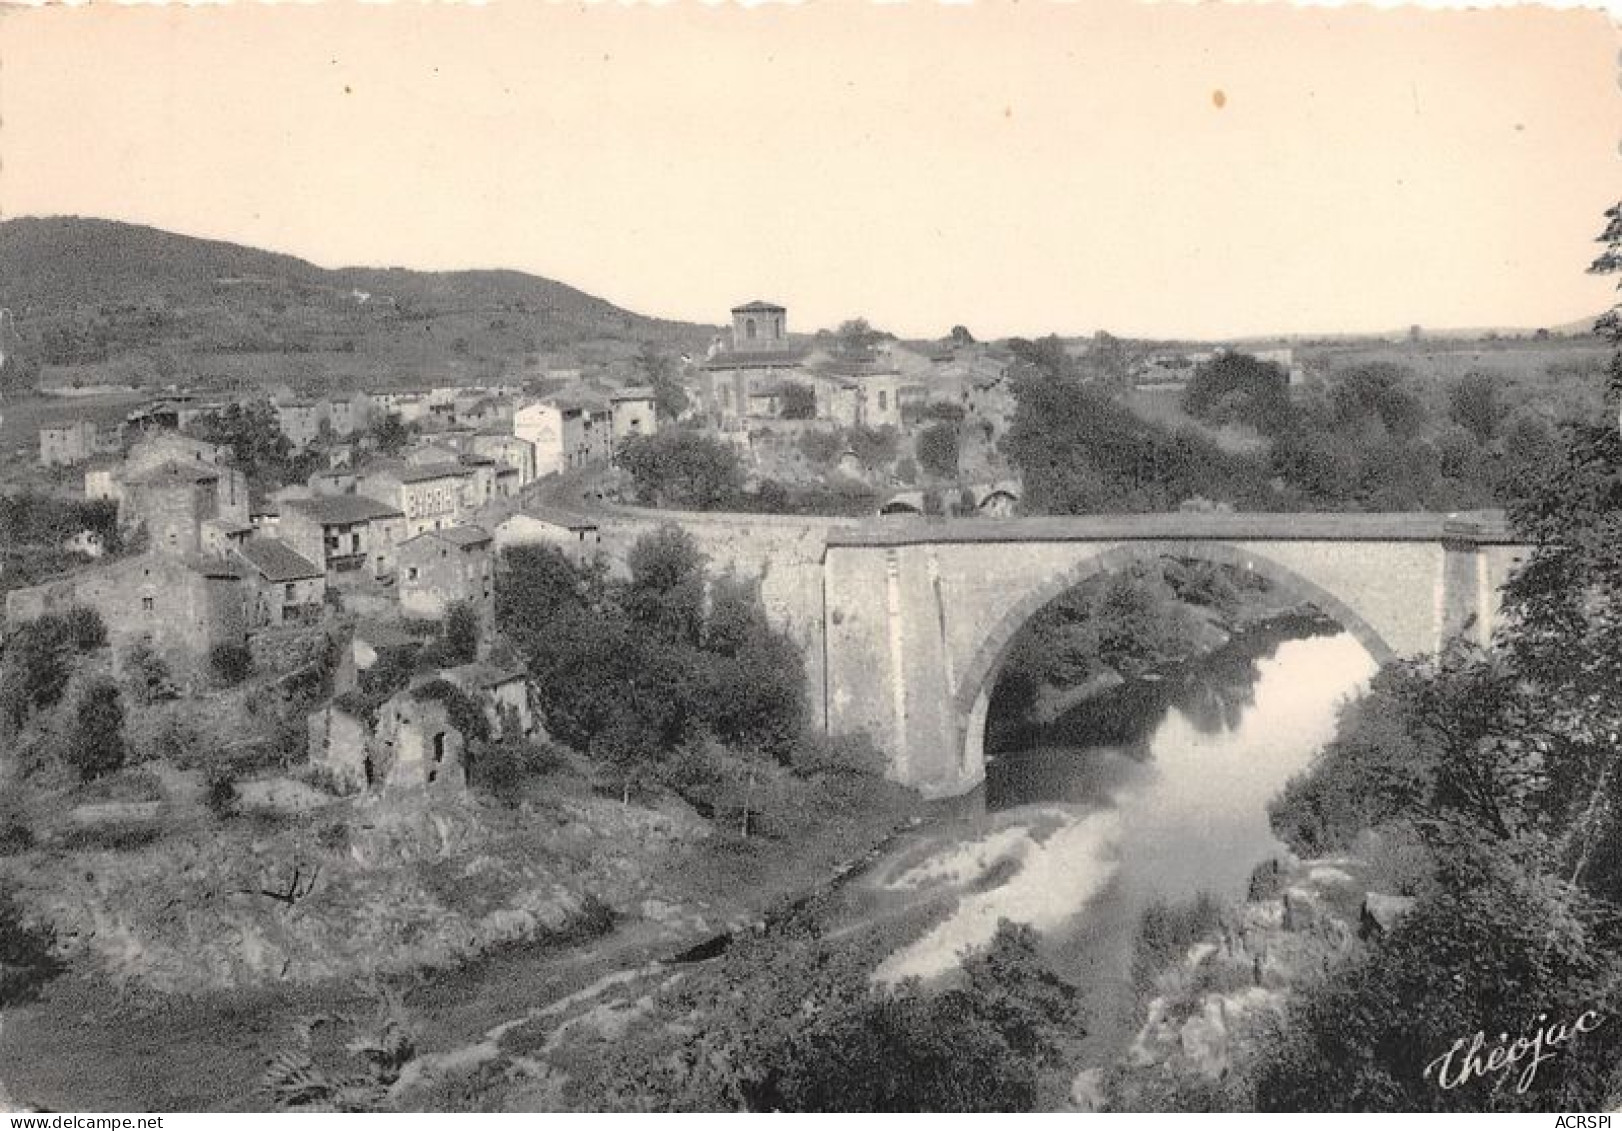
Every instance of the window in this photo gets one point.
(749, 328)
(289, 591)
(411, 573)
(147, 604)
(354, 543)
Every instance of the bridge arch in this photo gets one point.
(972, 696)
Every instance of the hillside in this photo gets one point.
(98, 301)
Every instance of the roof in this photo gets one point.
(275, 560)
(430, 471)
(174, 473)
(334, 510)
(566, 519)
(382, 636)
(759, 306)
(757, 359)
(634, 393)
(481, 675)
(459, 536)
(229, 526)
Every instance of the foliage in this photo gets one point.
(874, 447)
(146, 675)
(232, 663)
(349, 1076)
(94, 742)
(799, 401)
(34, 669)
(948, 412)
(459, 634)
(678, 468)
(84, 628)
(937, 449)
(253, 434)
(629, 672)
(27, 954)
(1081, 451)
(389, 433)
(464, 712)
(857, 337)
(1474, 403)
(658, 370)
(1237, 388)
(1505, 764)
(821, 447)
(28, 518)
(788, 1022)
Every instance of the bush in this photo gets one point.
(220, 791)
(85, 629)
(94, 743)
(146, 675)
(231, 663)
(27, 954)
(937, 450)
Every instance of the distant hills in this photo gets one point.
(106, 300)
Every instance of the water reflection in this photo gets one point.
(1159, 790)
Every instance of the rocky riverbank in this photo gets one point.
(1209, 1015)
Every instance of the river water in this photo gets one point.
(1157, 791)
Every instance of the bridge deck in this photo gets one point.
(1482, 527)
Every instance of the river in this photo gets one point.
(1155, 791)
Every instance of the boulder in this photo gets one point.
(1381, 913)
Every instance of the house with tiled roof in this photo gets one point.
(347, 535)
(439, 568)
(281, 586)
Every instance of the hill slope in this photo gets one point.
(125, 302)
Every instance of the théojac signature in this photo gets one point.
(1471, 1058)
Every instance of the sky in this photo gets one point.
(1155, 170)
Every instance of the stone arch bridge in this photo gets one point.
(905, 622)
(917, 618)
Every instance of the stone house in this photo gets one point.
(179, 606)
(565, 433)
(440, 567)
(635, 412)
(503, 693)
(578, 537)
(503, 447)
(220, 537)
(300, 421)
(416, 747)
(346, 415)
(66, 444)
(345, 534)
(172, 501)
(281, 586)
(430, 497)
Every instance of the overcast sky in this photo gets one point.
(1152, 170)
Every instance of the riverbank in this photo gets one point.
(97, 1042)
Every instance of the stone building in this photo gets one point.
(578, 537)
(566, 433)
(431, 497)
(503, 693)
(281, 586)
(441, 567)
(179, 606)
(759, 327)
(68, 443)
(502, 446)
(344, 534)
(416, 747)
(635, 412)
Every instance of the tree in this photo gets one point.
(665, 593)
(960, 336)
(1238, 388)
(937, 450)
(874, 447)
(1474, 403)
(459, 633)
(799, 401)
(253, 433)
(682, 469)
(34, 670)
(94, 743)
(389, 433)
(658, 370)
(232, 663)
(84, 628)
(1107, 358)
(856, 336)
